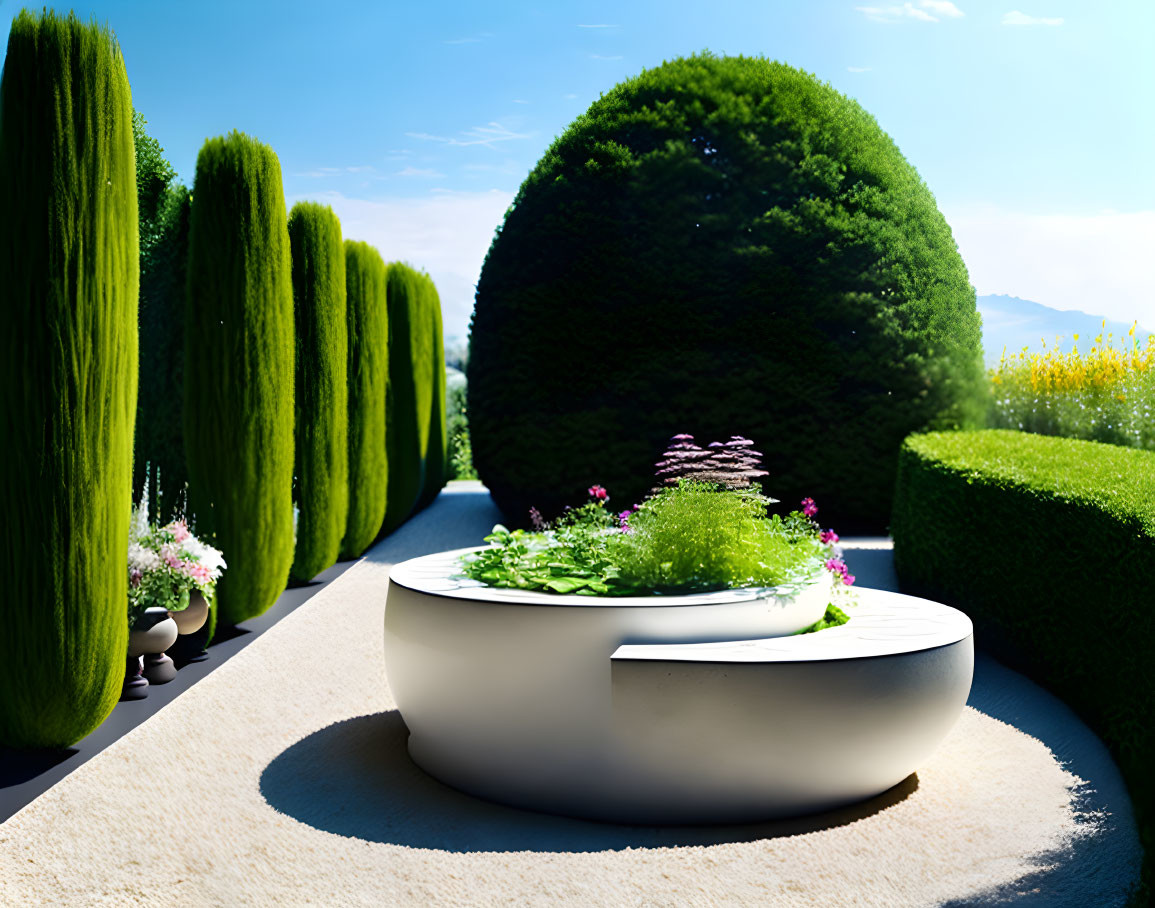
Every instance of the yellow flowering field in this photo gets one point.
(1106, 394)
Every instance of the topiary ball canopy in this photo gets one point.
(720, 246)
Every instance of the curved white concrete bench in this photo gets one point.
(647, 710)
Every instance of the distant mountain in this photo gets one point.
(1014, 323)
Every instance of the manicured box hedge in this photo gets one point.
(1048, 544)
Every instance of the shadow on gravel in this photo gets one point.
(355, 779)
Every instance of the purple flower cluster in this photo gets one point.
(624, 519)
(838, 566)
(733, 464)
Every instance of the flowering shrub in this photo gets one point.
(167, 563)
(692, 536)
(1104, 395)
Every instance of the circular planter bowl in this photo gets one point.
(668, 709)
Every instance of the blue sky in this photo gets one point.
(1030, 120)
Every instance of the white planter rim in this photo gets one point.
(439, 575)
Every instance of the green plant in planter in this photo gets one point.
(167, 563)
(690, 536)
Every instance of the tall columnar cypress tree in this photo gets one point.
(322, 392)
(238, 403)
(437, 448)
(410, 393)
(69, 272)
(367, 319)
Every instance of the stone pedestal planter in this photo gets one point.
(153, 633)
(191, 619)
(558, 703)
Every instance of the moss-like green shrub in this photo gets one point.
(1013, 528)
(437, 466)
(164, 219)
(410, 396)
(69, 272)
(321, 388)
(238, 401)
(368, 374)
(692, 536)
(719, 246)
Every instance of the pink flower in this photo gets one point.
(599, 493)
(828, 537)
(173, 562)
(809, 508)
(180, 531)
(624, 516)
(836, 566)
(848, 579)
(135, 576)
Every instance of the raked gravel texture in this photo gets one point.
(282, 779)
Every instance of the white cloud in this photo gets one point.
(520, 101)
(858, 69)
(488, 136)
(918, 12)
(570, 96)
(428, 173)
(1014, 17)
(1095, 263)
(605, 57)
(447, 233)
(942, 8)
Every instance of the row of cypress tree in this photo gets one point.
(288, 388)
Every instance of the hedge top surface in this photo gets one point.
(720, 246)
(1118, 480)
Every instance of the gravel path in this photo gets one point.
(282, 779)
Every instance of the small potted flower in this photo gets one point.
(172, 577)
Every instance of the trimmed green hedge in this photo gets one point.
(321, 391)
(69, 272)
(719, 246)
(1048, 544)
(368, 323)
(238, 413)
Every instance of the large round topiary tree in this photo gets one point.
(719, 246)
(69, 270)
(321, 390)
(238, 394)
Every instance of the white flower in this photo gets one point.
(205, 555)
(142, 559)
